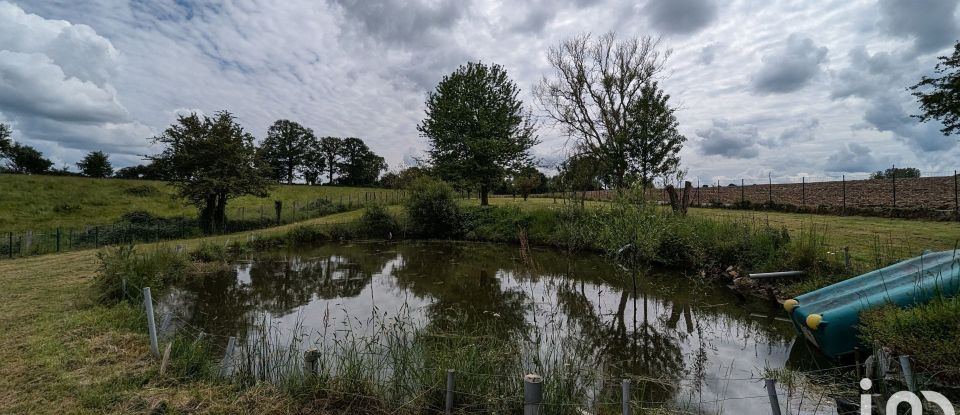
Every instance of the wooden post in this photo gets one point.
(803, 191)
(532, 394)
(772, 394)
(846, 258)
(743, 200)
(151, 322)
(769, 190)
(625, 397)
(448, 402)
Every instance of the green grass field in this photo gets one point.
(47, 202)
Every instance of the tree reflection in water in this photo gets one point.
(568, 308)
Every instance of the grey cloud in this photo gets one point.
(886, 114)
(728, 140)
(854, 158)
(402, 22)
(680, 16)
(802, 132)
(868, 75)
(791, 67)
(708, 53)
(930, 23)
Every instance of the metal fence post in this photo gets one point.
(151, 323)
(772, 394)
(227, 363)
(803, 191)
(843, 181)
(625, 397)
(448, 403)
(532, 394)
(893, 174)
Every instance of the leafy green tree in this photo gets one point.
(211, 160)
(527, 180)
(26, 160)
(898, 172)
(328, 150)
(403, 178)
(150, 171)
(477, 127)
(5, 141)
(359, 165)
(96, 164)
(939, 96)
(652, 142)
(286, 148)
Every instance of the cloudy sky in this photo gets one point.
(789, 88)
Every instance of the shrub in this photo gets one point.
(432, 209)
(156, 269)
(210, 252)
(142, 191)
(377, 222)
(306, 234)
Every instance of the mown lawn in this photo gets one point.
(46, 202)
(63, 353)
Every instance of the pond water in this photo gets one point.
(705, 339)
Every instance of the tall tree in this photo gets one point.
(477, 127)
(359, 166)
(329, 150)
(595, 83)
(96, 164)
(652, 140)
(211, 160)
(5, 141)
(939, 96)
(285, 149)
(26, 160)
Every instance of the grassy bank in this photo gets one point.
(47, 202)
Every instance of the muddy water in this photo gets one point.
(704, 338)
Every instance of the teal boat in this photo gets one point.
(829, 317)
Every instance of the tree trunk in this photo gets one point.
(207, 213)
(687, 190)
(484, 201)
(220, 213)
(674, 200)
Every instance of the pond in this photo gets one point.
(708, 344)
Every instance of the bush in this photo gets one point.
(432, 209)
(142, 191)
(377, 222)
(210, 252)
(927, 332)
(156, 269)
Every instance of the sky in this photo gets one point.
(780, 88)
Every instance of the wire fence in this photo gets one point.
(933, 195)
(145, 228)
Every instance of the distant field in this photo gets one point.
(46, 202)
(862, 234)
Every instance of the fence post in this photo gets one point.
(769, 190)
(743, 200)
(846, 258)
(698, 191)
(908, 373)
(803, 190)
(625, 396)
(10, 244)
(448, 403)
(893, 174)
(843, 180)
(532, 394)
(956, 200)
(96, 236)
(58, 239)
(227, 362)
(278, 206)
(772, 394)
(151, 323)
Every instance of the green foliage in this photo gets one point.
(96, 164)
(285, 149)
(26, 160)
(477, 128)
(898, 172)
(5, 141)
(359, 166)
(210, 252)
(378, 222)
(432, 209)
(928, 333)
(403, 179)
(209, 161)
(142, 191)
(652, 144)
(150, 171)
(155, 269)
(939, 96)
